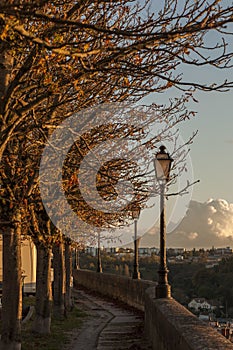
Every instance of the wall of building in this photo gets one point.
(28, 256)
(168, 325)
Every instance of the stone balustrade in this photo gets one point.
(127, 290)
(168, 325)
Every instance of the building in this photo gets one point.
(111, 250)
(28, 256)
(144, 251)
(175, 251)
(199, 304)
(91, 251)
(154, 250)
(223, 251)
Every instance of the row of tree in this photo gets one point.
(57, 249)
(53, 296)
(58, 58)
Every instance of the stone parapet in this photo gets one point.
(168, 324)
(127, 290)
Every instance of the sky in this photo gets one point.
(206, 213)
(211, 153)
(211, 156)
(204, 217)
(212, 150)
(208, 218)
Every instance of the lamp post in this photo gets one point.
(162, 163)
(23, 291)
(76, 258)
(135, 214)
(99, 264)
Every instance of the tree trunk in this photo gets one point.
(68, 268)
(6, 60)
(42, 320)
(12, 285)
(6, 64)
(59, 281)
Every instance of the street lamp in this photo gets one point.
(135, 215)
(162, 164)
(23, 277)
(76, 258)
(99, 264)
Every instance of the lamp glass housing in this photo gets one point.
(136, 213)
(162, 164)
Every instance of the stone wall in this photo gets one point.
(127, 290)
(168, 325)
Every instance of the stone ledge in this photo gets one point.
(169, 325)
(122, 288)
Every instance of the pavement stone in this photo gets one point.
(109, 326)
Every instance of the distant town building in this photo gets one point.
(144, 251)
(210, 265)
(175, 251)
(91, 251)
(111, 250)
(223, 251)
(204, 317)
(154, 250)
(198, 304)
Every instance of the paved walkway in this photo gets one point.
(109, 326)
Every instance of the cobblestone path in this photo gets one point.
(108, 326)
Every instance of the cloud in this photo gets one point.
(192, 235)
(205, 224)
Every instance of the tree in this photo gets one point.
(59, 283)
(111, 50)
(13, 289)
(68, 274)
(126, 270)
(45, 236)
(54, 54)
(41, 233)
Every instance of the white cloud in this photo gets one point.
(193, 235)
(209, 221)
(205, 224)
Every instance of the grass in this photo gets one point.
(60, 334)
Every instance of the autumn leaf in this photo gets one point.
(169, 84)
(126, 81)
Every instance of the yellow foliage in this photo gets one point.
(169, 84)
(126, 81)
(4, 32)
